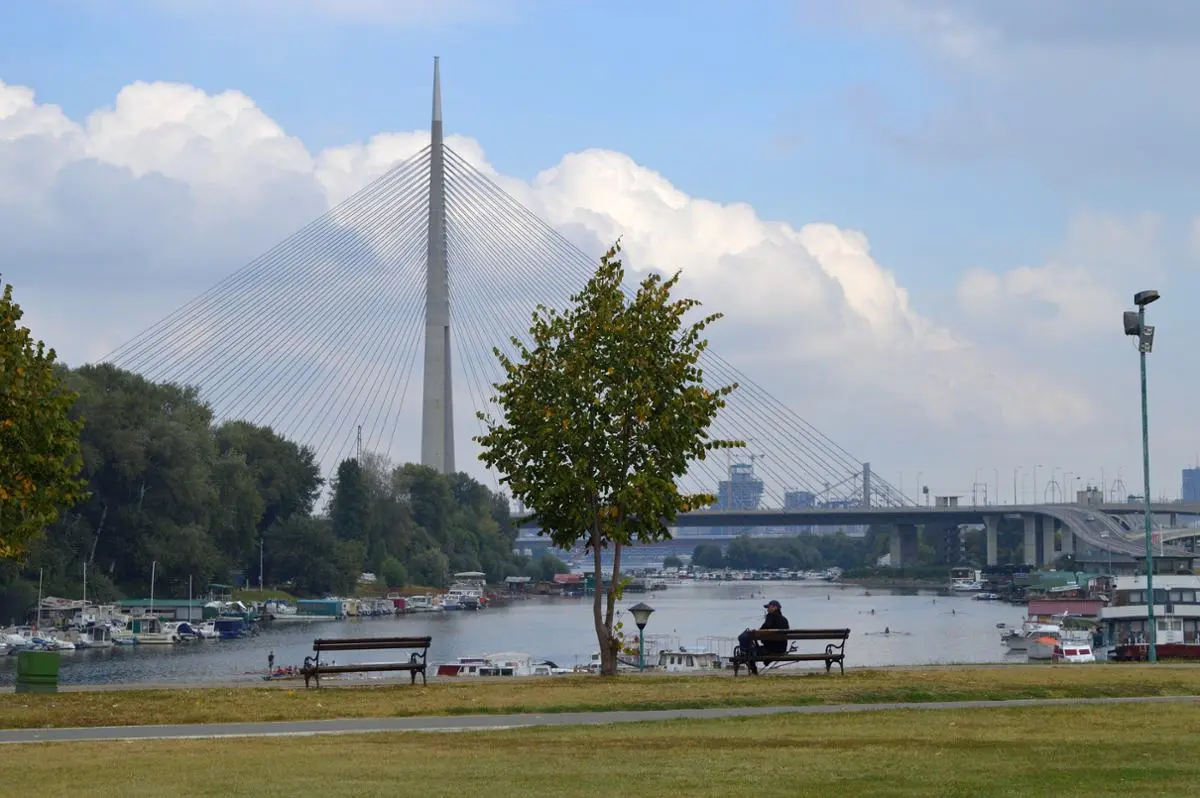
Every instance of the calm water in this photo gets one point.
(924, 629)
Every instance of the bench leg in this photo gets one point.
(842, 666)
(828, 665)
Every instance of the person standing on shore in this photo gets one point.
(271, 662)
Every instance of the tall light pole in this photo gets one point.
(1136, 327)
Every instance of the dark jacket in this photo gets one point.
(774, 620)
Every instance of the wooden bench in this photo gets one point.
(313, 669)
(835, 650)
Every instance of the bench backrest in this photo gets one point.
(370, 643)
(803, 634)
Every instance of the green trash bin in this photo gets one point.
(37, 671)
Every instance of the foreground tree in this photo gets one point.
(603, 412)
(39, 441)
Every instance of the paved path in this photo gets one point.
(463, 723)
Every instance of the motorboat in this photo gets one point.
(1042, 647)
(1019, 639)
(207, 630)
(1077, 652)
(500, 664)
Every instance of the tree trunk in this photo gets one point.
(608, 656)
(610, 610)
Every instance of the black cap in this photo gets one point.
(772, 603)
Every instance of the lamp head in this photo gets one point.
(641, 614)
(1143, 298)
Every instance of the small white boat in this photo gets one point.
(207, 630)
(1075, 652)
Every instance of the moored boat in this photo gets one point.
(1176, 618)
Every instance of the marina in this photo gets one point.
(889, 628)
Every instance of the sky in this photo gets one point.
(922, 219)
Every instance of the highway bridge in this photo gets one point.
(1102, 527)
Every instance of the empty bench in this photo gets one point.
(415, 663)
(835, 648)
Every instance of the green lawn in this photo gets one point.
(1060, 752)
(560, 694)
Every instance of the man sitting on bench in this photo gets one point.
(752, 648)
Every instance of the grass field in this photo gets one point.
(577, 693)
(1059, 751)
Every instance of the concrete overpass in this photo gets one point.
(1103, 527)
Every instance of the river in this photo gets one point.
(887, 628)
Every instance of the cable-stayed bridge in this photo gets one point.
(394, 299)
(319, 339)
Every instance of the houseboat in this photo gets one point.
(97, 635)
(966, 580)
(150, 631)
(467, 591)
(686, 661)
(1176, 617)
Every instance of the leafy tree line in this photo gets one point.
(809, 551)
(104, 470)
(798, 552)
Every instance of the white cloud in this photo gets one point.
(1073, 295)
(107, 224)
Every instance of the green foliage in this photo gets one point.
(39, 439)
(671, 561)
(314, 561)
(166, 486)
(392, 572)
(602, 412)
(708, 555)
(431, 524)
(546, 566)
(349, 511)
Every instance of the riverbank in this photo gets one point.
(897, 583)
(225, 704)
(976, 753)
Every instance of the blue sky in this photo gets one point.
(752, 105)
(1019, 168)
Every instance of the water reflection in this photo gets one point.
(887, 629)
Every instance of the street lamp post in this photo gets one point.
(641, 616)
(1136, 327)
